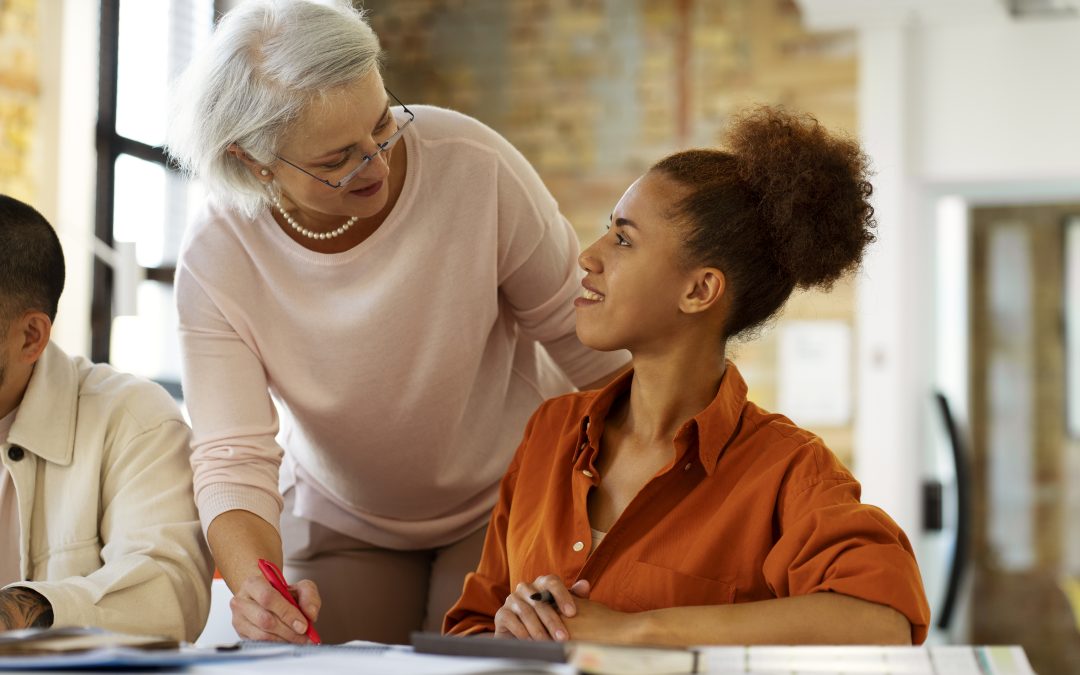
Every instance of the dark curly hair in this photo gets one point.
(785, 205)
(31, 262)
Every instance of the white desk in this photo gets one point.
(939, 660)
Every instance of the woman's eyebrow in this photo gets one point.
(337, 151)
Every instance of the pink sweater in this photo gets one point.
(403, 370)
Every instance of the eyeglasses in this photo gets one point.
(382, 146)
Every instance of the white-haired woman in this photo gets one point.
(396, 284)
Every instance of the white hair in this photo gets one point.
(267, 60)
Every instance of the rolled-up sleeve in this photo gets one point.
(831, 542)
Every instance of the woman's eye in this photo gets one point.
(334, 165)
(622, 241)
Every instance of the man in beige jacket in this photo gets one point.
(97, 518)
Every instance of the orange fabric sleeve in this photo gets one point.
(486, 589)
(831, 542)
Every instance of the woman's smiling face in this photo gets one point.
(328, 140)
(635, 276)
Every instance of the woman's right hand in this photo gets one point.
(261, 613)
(523, 618)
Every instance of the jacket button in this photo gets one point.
(15, 453)
(578, 545)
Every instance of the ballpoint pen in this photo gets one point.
(277, 580)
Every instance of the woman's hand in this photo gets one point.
(524, 618)
(596, 622)
(238, 539)
(261, 613)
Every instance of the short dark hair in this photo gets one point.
(785, 205)
(31, 261)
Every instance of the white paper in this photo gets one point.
(814, 372)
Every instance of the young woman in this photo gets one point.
(666, 508)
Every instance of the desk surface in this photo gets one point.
(942, 660)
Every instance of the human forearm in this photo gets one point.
(238, 539)
(818, 618)
(24, 608)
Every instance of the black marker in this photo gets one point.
(543, 596)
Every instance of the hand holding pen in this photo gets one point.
(261, 611)
(276, 579)
(535, 611)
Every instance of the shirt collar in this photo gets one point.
(714, 426)
(45, 423)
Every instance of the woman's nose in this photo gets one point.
(589, 261)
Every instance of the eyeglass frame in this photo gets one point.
(367, 158)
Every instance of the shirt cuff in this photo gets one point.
(216, 499)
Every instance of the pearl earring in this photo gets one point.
(264, 172)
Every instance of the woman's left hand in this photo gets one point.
(599, 623)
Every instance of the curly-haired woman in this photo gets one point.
(666, 508)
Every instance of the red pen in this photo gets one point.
(277, 580)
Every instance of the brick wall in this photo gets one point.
(594, 91)
(19, 95)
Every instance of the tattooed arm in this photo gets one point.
(24, 608)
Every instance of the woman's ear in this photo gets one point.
(706, 290)
(260, 172)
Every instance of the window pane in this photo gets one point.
(156, 41)
(147, 344)
(152, 206)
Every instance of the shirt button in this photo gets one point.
(587, 472)
(15, 453)
(578, 545)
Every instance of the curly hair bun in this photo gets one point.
(812, 189)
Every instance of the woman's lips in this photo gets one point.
(368, 191)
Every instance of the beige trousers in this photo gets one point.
(372, 593)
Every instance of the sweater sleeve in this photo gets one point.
(155, 567)
(831, 542)
(538, 269)
(235, 456)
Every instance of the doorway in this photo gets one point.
(1026, 474)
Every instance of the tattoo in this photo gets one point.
(24, 608)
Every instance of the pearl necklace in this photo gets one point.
(308, 233)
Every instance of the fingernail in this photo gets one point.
(299, 626)
(559, 635)
(568, 609)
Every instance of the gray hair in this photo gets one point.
(267, 60)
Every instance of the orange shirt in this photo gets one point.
(751, 508)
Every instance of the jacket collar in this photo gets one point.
(712, 429)
(45, 422)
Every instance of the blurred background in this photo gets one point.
(946, 373)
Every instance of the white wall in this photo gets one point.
(69, 56)
(997, 99)
(959, 104)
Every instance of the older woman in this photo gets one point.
(396, 284)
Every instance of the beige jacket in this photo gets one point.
(109, 530)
